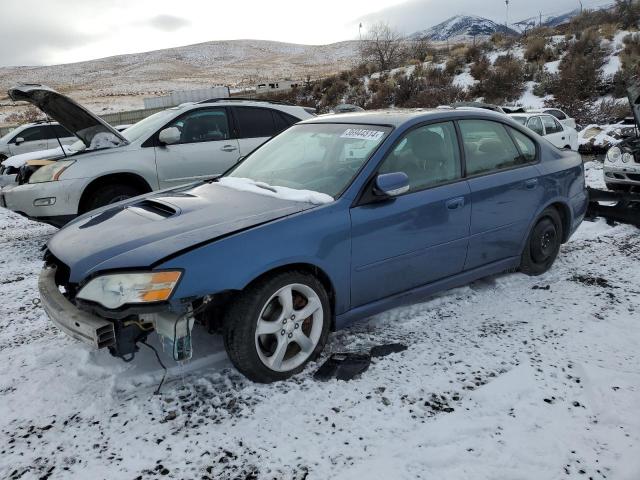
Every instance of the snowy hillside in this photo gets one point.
(553, 20)
(119, 82)
(461, 28)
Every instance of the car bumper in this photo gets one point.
(90, 329)
(629, 174)
(65, 195)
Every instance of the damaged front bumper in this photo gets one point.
(121, 334)
(90, 329)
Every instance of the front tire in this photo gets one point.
(108, 194)
(543, 244)
(277, 325)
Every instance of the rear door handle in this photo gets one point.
(455, 203)
(229, 148)
(531, 184)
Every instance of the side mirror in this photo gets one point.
(391, 184)
(19, 140)
(169, 136)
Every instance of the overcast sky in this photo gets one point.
(40, 32)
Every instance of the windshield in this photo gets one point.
(151, 123)
(322, 157)
(7, 136)
(519, 119)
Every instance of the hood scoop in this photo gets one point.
(154, 209)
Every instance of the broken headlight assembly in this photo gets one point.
(118, 289)
(51, 172)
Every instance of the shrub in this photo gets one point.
(503, 82)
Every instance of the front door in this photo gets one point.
(31, 139)
(505, 190)
(206, 148)
(418, 237)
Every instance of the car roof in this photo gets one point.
(530, 114)
(398, 117)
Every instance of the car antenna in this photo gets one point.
(55, 132)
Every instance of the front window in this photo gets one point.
(149, 124)
(322, 157)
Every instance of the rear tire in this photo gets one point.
(292, 310)
(543, 244)
(108, 194)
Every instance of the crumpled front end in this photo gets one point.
(120, 330)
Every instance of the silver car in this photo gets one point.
(179, 145)
(32, 137)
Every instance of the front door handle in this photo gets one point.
(531, 184)
(455, 203)
(229, 148)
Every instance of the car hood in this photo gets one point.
(140, 232)
(92, 130)
(633, 92)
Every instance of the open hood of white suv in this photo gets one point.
(91, 129)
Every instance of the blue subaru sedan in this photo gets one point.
(338, 218)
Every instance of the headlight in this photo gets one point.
(614, 154)
(113, 291)
(51, 172)
(627, 157)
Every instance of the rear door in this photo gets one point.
(31, 139)
(554, 131)
(256, 125)
(420, 236)
(206, 147)
(505, 190)
(58, 132)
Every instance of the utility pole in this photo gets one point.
(580, 2)
(360, 31)
(506, 25)
(540, 24)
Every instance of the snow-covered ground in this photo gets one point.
(511, 377)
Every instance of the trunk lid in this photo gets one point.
(91, 129)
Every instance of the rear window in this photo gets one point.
(488, 147)
(254, 122)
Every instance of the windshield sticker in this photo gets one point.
(362, 134)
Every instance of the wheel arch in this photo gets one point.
(312, 269)
(126, 178)
(565, 217)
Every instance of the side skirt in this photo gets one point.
(425, 291)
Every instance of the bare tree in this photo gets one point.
(383, 46)
(420, 48)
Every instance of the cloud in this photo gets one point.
(168, 23)
(29, 48)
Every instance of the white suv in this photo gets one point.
(179, 145)
(31, 137)
(550, 128)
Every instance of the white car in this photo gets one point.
(550, 128)
(179, 145)
(32, 137)
(559, 114)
